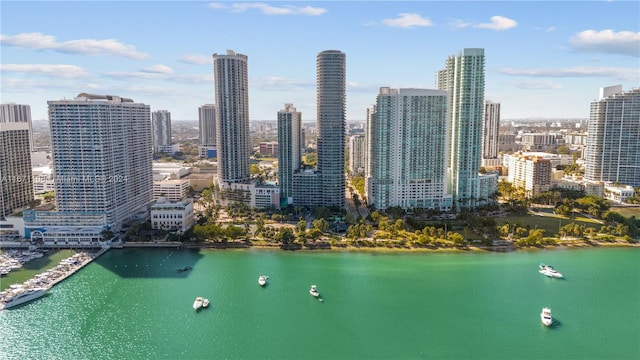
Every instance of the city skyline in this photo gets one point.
(540, 53)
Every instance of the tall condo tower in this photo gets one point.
(613, 145)
(101, 158)
(17, 113)
(490, 132)
(232, 115)
(289, 155)
(463, 79)
(16, 182)
(357, 154)
(161, 123)
(408, 144)
(331, 117)
(207, 124)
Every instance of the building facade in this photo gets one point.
(331, 118)
(532, 173)
(207, 125)
(18, 113)
(357, 154)
(409, 141)
(171, 190)
(490, 132)
(101, 157)
(613, 145)
(289, 150)
(16, 180)
(161, 125)
(231, 79)
(172, 216)
(463, 78)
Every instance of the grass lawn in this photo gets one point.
(627, 211)
(551, 224)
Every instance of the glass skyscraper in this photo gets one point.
(613, 144)
(331, 118)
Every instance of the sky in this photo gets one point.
(542, 59)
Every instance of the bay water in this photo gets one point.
(133, 304)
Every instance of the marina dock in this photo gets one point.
(48, 279)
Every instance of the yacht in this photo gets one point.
(197, 304)
(23, 296)
(205, 303)
(548, 270)
(545, 316)
(314, 291)
(262, 280)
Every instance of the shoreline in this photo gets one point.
(468, 249)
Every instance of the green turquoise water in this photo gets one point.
(132, 304)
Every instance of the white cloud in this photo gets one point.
(277, 83)
(459, 24)
(158, 69)
(56, 71)
(196, 59)
(268, 9)
(607, 41)
(144, 74)
(39, 41)
(550, 29)
(540, 84)
(498, 23)
(406, 20)
(578, 71)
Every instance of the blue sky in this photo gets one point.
(543, 59)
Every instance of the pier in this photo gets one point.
(49, 278)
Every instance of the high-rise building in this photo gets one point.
(207, 124)
(18, 113)
(101, 158)
(161, 124)
(232, 117)
(490, 132)
(463, 78)
(613, 144)
(357, 154)
(331, 118)
(289, 155)
(408, 142)
(16, 182)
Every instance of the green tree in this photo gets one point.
(285, 235)
(301, 226)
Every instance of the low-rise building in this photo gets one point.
(172, 216)
(172, 190)
(618, 193)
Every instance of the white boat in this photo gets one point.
(262, 280)
(205, 303)
(197, 304)
(23, 296)
(548, 270)
(314, 291)
(545, 316)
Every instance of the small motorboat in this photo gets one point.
(262, 280)
(314, 291)
(205, 303)
(545, 316)
(186, 268)
(197, 304)
(549, 271)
